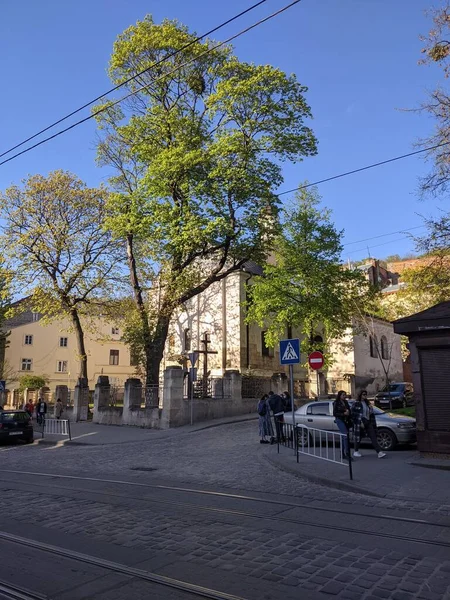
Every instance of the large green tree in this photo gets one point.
(55, 243)
(197, 151)
(306, 285)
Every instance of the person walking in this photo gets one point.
(41, 411)
(58, 408)
(363, 416)
(277, 406)
(28, 408)
(265, 422)
(343, 419)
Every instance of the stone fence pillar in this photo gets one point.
(62, 392)
(81, 400)
(232, 381)
(175, 409)
(102, 395)
(279, 383)
(132, 398)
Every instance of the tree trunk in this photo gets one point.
(155, 355)
(143, 314)
(80, 342)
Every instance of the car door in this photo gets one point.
(318, 416)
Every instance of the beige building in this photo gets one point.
(50, 350)
(232, 344)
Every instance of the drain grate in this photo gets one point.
(143, 469)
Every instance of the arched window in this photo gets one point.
(384, 348)
(373, 346)
(187, 340)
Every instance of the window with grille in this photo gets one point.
(28, 340)
(26, 364)
(384, 348)
(113, 357)
(61, 366)
(373, 346)
(63, 342)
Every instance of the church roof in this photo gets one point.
(251, 267)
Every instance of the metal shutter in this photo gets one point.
(435, 372)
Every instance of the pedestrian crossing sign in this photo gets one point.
(290, 352)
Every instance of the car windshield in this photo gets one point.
(11, 417)
(376, 410)
(394, 387)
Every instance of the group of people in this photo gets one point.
(40, 409)
(358, 417)
(277, 405)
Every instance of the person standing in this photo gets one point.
(41, 410)
(29, 408)
(342, 415)
(277, 406)
(363, 416)
(58, 408)
(265, 422)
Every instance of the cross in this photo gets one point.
(205, 341)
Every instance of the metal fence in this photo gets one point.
(57, 427)
(212, 387)
(317, 443)
(255, 387)
(324, 445)
(116, 395)
(152, 396)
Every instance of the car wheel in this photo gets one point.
(302, 437)
(29, 440)
(386, 439)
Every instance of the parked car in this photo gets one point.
(392, 429)
(16, 425)
(396, 395)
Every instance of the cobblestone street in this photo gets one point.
(370, 548)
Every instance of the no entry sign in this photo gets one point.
(316, 360)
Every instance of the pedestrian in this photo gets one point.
(265, 422)
(277, 406)
(41, 410)
(28, 408)
(363, 416)
(287, 401)
(58, 408)
(342, 415)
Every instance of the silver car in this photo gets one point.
(392, 429)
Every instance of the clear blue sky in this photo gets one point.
(358, 58)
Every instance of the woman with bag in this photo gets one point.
(363, 416)
(343, 419)
(265, 423)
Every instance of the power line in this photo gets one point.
(375, 237)
(371, 166)
(152, 66)
(118, 101)
(378, 245)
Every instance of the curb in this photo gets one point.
(339, 485)
(224, 423)
(437, 467)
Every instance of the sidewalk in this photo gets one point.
(86, 433)
(395, 476)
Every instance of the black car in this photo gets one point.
(16, 425)
(397, 395)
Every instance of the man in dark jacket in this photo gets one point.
(41, 410)
(277, 407)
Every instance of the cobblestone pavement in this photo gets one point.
(228, 457)
(341, 569)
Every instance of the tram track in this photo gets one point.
(13, 592)
(250, 514)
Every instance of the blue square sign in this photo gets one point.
(290, 352)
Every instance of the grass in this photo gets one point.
(409, 411)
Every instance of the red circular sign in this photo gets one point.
(316, 360)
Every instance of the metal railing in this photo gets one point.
(57, 427)
(152, 396)
(324, 445)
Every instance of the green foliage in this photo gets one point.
(54, 243)
(32, 382)
(307, 287)
(197, 153)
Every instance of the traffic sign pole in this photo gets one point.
(291, 391)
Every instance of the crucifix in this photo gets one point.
(205, 341)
